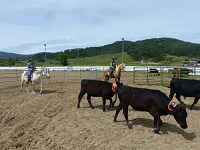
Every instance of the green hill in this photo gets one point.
(163, 50)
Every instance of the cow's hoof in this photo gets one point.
(129, 126)
(92, 107)
(111, 109)
(156, 131)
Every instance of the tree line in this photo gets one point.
(163, 50)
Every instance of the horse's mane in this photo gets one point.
(120, 66)
(39, 70)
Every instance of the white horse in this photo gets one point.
(35, 78)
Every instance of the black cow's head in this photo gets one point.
(119, 83)
(180, 114)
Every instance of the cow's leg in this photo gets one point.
(89, 101)
(110, 105)
(113, 103)
(157, 121)
(80, 96)
(104, 104)
(178, 97)
(125, 112)
(171, 95)
(195, 101)
(119, 108)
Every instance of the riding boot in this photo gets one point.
(29, 80)
(111, 75)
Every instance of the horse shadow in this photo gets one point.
(48, 91)
(165, 128)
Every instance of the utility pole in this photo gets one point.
(122, 50)
(45, 57)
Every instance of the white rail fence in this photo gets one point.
(136, 74)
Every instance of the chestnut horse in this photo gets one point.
(116, 73)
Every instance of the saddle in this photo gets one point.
(26, 74)
(112, 73)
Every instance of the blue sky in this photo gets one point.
(26, 25)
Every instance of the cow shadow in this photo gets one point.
(194, 108)
(99, 107)
(165, 128)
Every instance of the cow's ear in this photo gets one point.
(171, 105)
(119, 83)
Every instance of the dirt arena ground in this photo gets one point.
(51, 121)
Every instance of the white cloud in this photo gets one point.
(23, 22)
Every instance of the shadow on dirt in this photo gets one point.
(194, 108)
(165, 128)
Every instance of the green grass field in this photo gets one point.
(101, 60)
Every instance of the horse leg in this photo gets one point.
(33, 89)
(22, 83)
(40, 88)
(27, 87)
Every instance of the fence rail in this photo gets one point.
(134, 74)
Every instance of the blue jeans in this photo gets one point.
(111, 71)
(29, 74)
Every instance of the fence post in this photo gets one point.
(147, 76)
(16, 74)
(161, 74)
(80, 73)
(64, 73)
(133, 75)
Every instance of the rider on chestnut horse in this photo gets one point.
(112, 67)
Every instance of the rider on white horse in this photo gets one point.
(31, 68)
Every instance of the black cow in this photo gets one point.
(153, 101)
(97, 88)
(154, 71)
(186, 88)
